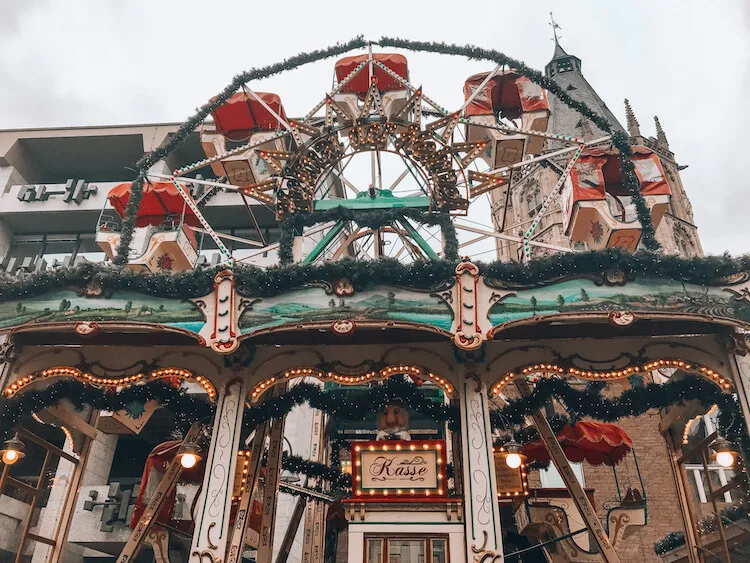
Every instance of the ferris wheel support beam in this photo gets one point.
(548, 201)
(412, 89)
(510, 238)
(548, 156)
(426, 248)
(336, 90)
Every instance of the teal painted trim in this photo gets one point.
(426, 248)
(324, 242)
(416, 202)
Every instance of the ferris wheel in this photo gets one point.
(376, 166)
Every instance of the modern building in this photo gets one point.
(170, 394)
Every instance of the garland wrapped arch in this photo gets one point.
(549, 370)
(619, 139)
(110, 384)
(381, 374)
(372, 219)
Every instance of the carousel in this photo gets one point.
(379, 396)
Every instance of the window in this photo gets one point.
(418, 549)
(551, 479)
(565, 65)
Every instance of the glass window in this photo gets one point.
(88, 249)
(551, 479)
(374, 551)
(59, 247)
(406, 551)
(439, 550)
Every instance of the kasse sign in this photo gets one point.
(399, 470)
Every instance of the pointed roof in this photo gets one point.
(559, 51)
(565, 69)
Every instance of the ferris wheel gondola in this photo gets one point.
(376, 142)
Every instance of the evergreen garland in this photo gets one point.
(256, 282)
(619, 139)
(352, 405)
(372, 219)
(185, 407)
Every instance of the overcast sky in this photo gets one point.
(103, 62)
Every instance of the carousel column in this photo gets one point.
(482, 514)
(212, 519)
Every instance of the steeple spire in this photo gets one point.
(660, 135)
(634, 129)
(559, 51)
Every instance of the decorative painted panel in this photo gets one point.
(67, 307)
(315, 305)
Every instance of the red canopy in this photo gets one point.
(509, 94)
(595, 442)
(360, 84)
(242, 114)
(598, 172)
(160, 199)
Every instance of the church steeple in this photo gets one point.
(565, 69)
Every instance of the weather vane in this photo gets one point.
(555, 26)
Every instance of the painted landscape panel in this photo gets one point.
(577, 296)
(313, 304)
(66, 306)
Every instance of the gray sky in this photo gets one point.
(96, 62)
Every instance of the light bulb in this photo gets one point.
(725, 459)
(10, 457)
(188, 460)
(513, 461)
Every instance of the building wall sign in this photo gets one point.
(73, 191)
(403, 470)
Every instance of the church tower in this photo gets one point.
(514, 209)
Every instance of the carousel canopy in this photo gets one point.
(160, 200)
(598, 172)
(508, 94)
(361, 82)
(594, 442)
(242, 115)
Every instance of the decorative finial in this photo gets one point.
(555, 26)
(632, 123)
(660, 135)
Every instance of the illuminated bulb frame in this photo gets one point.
(375, 375)
(360, 494)
(107, 383)
(552, 370)
(499, 456)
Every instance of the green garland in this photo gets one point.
(185, 407)
(371, 219)
(706, 525)
(619, 139)
(255, 282)
(352, 405)
(333, 475)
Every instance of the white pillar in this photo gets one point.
(212, 521)
(481, 510)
